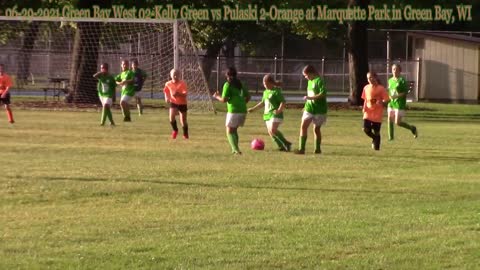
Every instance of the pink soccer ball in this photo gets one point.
(257, 144)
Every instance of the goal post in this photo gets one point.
(64, 53)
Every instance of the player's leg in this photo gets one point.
(399, 122)
(138, 99)
(376, 131)
(392, 115)
(172, 112)
(233, 121)
(302, 140)
(8, 110)
(318, 121)
(183, 121)
(272, 127)
(125, 109)
(108, 110)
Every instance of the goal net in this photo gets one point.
(57, 57)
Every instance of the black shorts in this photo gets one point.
(5, 100)
(367, 124)
(182, 108)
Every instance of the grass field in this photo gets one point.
(74, 195)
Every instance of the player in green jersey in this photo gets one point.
(106, 89)
(125, 79)
(236, 95)
(138, 81)
(398, 90)
(315, 109)
(273, 115)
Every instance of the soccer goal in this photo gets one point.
(62, 54)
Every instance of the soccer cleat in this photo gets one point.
(414, 132)
(318, 151)
(11, 122)
(185, 137)
(299, 152)
(127, 119)
(174, 134)
(288, 146)
(237, 153)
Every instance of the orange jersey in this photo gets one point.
(5, 82)
(176, 92)
(373, 97)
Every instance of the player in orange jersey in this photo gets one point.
(5, 84)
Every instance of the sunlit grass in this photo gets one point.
(77, 195)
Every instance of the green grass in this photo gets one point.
(74, 195)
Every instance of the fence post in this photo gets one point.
(323, 67)
(275, 67)
(218, 73)
(418, 79)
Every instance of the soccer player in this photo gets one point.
(106, 89)
(273, 114)
(125, 79)
(374, 96)
(176, 95)
(315, 109)
(236, 95)
(138, 81)
(5, 84)
(398, 90)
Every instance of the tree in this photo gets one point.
(357, 40)
(84, 58)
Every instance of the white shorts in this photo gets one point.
(317, 119)
(273, 120)
(394, 113)
(235, 120)
(106, 100)
(126, 98)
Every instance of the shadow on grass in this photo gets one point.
(193, 184)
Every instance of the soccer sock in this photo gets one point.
(104, 116)
(318, 142)
(278, 142)
(231, 141)
(390, 130)
(235, 140)
(185, 130)
(140, 109)
(405, 125)
(109, 115)
(174, 125)
(301, 142)
(9, 115)
(281, 137)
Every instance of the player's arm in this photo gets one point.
(167, 95)
(280, 108)
(255, 107)
(225, 94)
(7, 87)
(96, 75)
(321, 92)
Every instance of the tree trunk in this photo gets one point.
(26, 52)
(84, 62)
(357, 54)
(209, 61)
(229, 52)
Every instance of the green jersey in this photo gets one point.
(139, 79)
(317, 106)
(236, 98)
(397, 86)
(129, 89)
(272, 99)
(106, 85)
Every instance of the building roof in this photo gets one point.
(464, 38)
